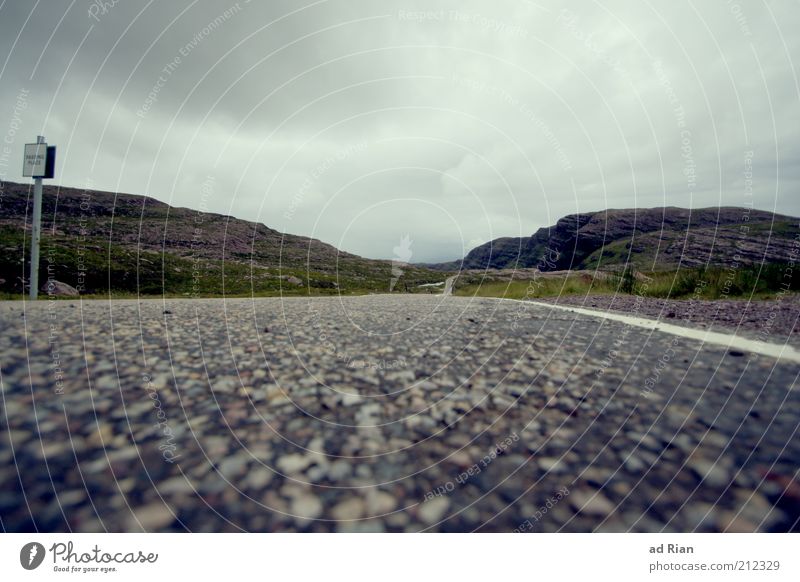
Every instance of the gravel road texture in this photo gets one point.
(384, 413)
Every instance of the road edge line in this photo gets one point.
(776, 351)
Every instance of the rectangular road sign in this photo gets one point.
(34, 164)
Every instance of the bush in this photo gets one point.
(627, 281)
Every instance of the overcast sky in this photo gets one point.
(359, 122)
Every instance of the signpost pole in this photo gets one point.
(36, 232)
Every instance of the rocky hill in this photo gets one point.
(96, 241)
(650, 239)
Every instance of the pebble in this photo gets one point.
(352, 508)
(258, 478)
(590, 503)
(339, 469)
(234, 466)
(380, 502)
(306, 506)
(176, 485)
(350, 399)
(292, 464)
(549, 464)
(634, 464)
(153, 517)
(461, 458)
(432, 511)
(71, 498)
(127, 454)
(710, 472)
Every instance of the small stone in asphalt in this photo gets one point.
(431, 512)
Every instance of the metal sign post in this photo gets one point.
(38, 163)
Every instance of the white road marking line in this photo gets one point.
(777, 351)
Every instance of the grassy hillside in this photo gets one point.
(123, 244)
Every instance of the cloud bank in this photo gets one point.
(450, 123)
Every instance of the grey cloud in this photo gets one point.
(518, 101)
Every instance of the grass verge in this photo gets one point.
(712, 283)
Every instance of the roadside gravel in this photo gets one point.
(774, 320)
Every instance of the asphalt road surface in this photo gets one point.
(384, 413)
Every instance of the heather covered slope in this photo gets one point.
(130, 243)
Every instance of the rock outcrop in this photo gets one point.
(651, 238)
(59, 289)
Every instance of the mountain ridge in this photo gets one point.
(663, 237)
